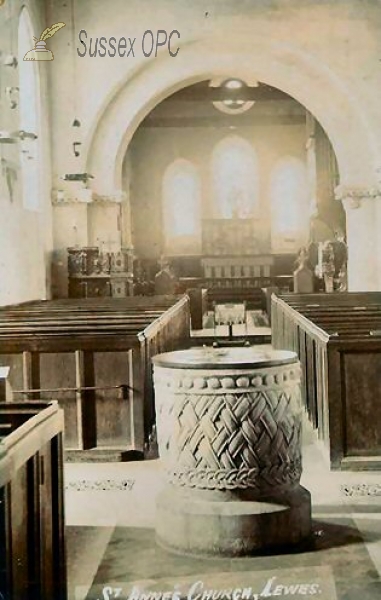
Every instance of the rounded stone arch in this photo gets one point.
(289, 68)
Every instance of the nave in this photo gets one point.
(179, 231)
(110, 514)
(110, 507)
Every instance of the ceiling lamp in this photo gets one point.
(83, 177)
(233, 104)
(233, 84)
(12, 95)
(23, 135)
(9, 60)
(222, 81)
(236, 108)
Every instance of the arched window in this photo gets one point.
(235, 179)
(289, 198)
(29, 107)
(182, 208)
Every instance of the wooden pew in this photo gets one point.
(198, 306)
(99, 355)
(32, 549)
(340, 353)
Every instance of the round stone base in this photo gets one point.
(231, 523)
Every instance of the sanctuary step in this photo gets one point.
(255, 330)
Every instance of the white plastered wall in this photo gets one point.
(26, 239)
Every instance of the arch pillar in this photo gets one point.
(363, 213)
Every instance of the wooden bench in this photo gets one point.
(95, 355)
(339, 346)
(198, 306)
(32, 549)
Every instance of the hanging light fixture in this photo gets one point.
(11, 137)
(234, 103)
(234, 84)
(10, 60)
(12, 95)
(6, 137)
(83, 177)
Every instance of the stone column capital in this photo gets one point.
(353, 196)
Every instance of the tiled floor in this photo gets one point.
(110, 512)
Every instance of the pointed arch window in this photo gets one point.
(289, 197)
(29, 110)
(182, 208)
(235, 179)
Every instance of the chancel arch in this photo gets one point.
(308, 80)
(288, 67)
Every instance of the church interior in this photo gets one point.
(190, 304)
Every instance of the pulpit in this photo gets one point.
(93, 273)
